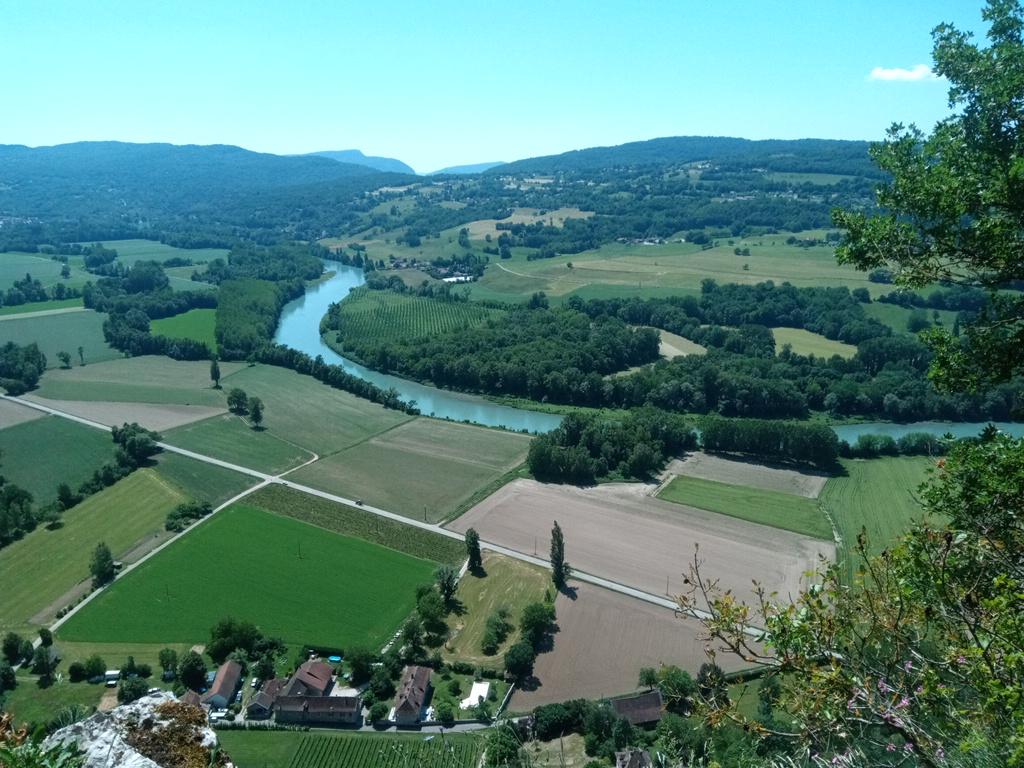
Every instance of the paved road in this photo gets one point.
(265, 479)
(41, 313)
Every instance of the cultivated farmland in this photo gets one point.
(196, 324)
(146, 379)
(388, 316)
(284, 749)
(38, 307)
(423, 469)
(40, 572)
(201, 481)
(131, 251)
(61, 332)
(779, 510)
(806, 343)
(739, 471)
(15, 265)
(229, 438)
(602, 642)
(618, 532)
(156, 416)
(352, 521)
(877, 495)
(39, 454)
(12, 413)
(508, 583)
(295, 581)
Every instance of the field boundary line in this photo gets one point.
(41, 313)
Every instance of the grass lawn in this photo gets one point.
(896, 316)
(61, 333)
(567, 752)
(878, 495)
(352, 521)
(29, 703)
(807, 343)
(40, 454)
(443, 692)
(779, 510)
(201, 481)
(38, 570)
(146, 379)
(296, 581)
(227, 437)
(131, 251)
(40, 306)
(303, 411)
(508, 583)
(116, 654)
(423, 469)
(295, 749)
(196, 324)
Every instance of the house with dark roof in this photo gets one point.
(633, 758)
(225, 683)
(313, 678)
(261, 706)
(641, 709)
(318, 710)
(190, 697)
(412, 695)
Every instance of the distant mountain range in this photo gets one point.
(356, 157)
(794, 156)
(458, 170)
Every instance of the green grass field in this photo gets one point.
(131, 251)
(61, 333)
(196, 324)
(423, 469)
(296, 581)
(387, 316)
(508, 583)
(807, 343)
(896, 317)
(619, 269)
(879, 495)
(303, 411)
(227, 437)
(352, 521)
(40, 306)
(146, 379)
(15, 265)
(40, 454)
(39, 569)
(201, 481)
(779, 510)
(293, 749)
(28, 703)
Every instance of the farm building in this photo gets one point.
(633, 758)
(262, 704)
(313, 678)
(641, 709)
(412, 695)
(225, 683)
(320, 710)
(190, 697)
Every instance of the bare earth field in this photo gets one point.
(620, 533)
(150, 415)
(12, 413)
(735, 472)
(479, 229)
(603, 640)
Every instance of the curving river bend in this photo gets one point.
(299, 328)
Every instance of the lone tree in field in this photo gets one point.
(215, 373)
(256, 412)
(65, 359)
(560, 570)
(102, 566)
(81, 356)
(238, 401)
(447, 579)
(476, 561)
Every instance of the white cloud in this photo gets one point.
(914, 74)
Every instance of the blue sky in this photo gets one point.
(437, 83)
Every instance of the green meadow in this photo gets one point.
(196, 324)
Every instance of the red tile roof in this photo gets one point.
(226, 682)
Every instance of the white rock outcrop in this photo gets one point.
(104, 736)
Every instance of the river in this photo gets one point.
(299, 328)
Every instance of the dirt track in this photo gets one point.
(603, 640)
(150, 415)
(736, 472)
(618, 532)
